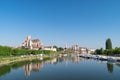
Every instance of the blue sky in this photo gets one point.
(87, 23)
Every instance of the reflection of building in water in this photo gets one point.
(53, 61)
(76, 59)
(32, 67)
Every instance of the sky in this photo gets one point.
(87, 23)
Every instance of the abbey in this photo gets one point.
(33, 44)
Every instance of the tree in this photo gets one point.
(55, 46)
(101, 51)
(60, 49)
(108, 44)
(97, 51)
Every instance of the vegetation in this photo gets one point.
(108, 50)
(4, 70)
(58, 48)
(112, 52)
(9, 51)
(108, 44)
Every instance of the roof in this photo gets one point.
(35, 40)
(48, 47)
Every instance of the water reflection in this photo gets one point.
(4, 70)
(52, 61)
(36, 67)
(76, 59)
(32, 67)
(29, 66)
(110, 67)
(77, 65)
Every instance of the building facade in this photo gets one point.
(33, 44)
(49, 48)
(83, 50)
(75, 48)
(78, 49)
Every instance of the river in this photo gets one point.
(61, 68)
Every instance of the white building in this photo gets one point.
(83, 50)
(49, 48)
(91, 50)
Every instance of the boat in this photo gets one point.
(104, 58)
(112, 59)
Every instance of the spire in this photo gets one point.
(28, 37)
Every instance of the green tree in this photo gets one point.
(97, 51)
(101, 51)
(55, 46)
(108, 44)
(60, 49)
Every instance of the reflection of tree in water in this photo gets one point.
(76, 59)
(35, 65)
(7, 68)
(118, 65)
(4, 70)
(60, 59)
(110, 67)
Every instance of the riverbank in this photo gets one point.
(11, 59)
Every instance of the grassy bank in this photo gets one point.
(9, 54)
(9, 59)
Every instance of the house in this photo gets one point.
(49, 48)
(83, 50)
(91, 50)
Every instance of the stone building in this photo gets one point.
(75, 48)
(33, 44)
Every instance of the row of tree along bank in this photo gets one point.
(9, 51)
(109, 50)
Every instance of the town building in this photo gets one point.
(49, 48)
(91, 50)
(33, 44)
(78, 49)
(83, 50)
(75, 48)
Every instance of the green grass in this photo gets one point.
(9, 59)
(14, 58)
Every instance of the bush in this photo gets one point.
(8, 51)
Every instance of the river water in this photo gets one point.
(61, 68)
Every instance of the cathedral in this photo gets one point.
(33, 44)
